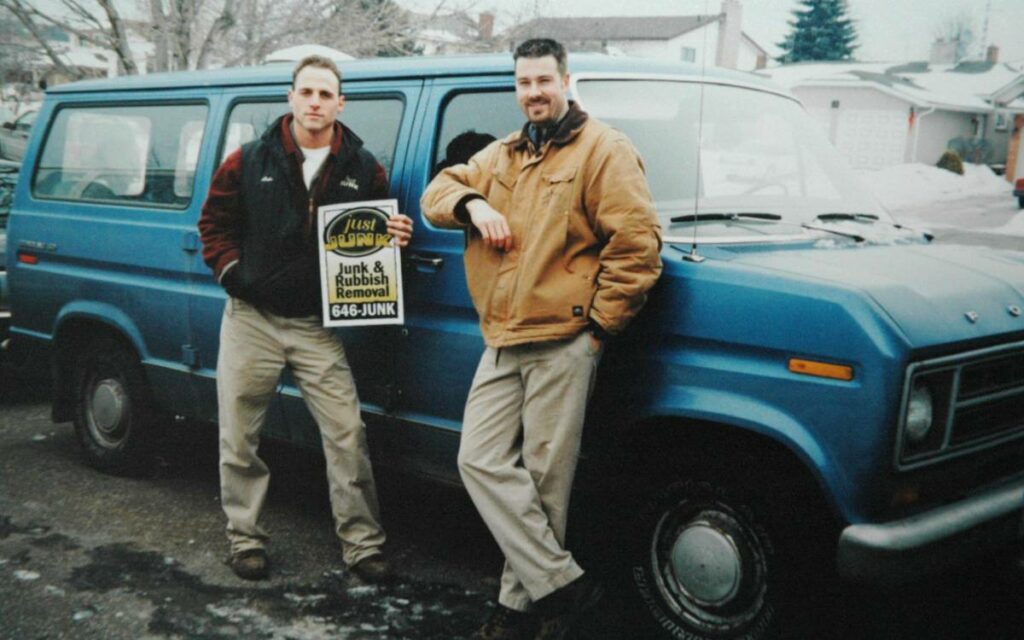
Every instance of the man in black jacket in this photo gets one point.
(259, 234)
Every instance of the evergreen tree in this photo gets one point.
(821, 31)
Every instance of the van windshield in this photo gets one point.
(759, 152)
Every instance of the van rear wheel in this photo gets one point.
(114, 417)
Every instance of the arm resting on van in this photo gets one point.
(221, 221)
(444, 201)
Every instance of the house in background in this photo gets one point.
(881, 114)
(716, 39)
(458, 32)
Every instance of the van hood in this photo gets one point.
(935, 293)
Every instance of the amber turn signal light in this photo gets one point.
(821, 369)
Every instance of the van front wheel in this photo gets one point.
(114, 418)
(702, 565)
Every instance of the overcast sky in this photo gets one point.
(888, 30)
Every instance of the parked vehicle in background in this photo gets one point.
(7, 114)
(1018, 191)
(14, 136)
(8, 180)
(812, 388)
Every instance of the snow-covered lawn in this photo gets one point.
(905, 185)
(905, 188)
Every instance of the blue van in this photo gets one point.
(812, 389)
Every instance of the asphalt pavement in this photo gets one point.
(87, 555)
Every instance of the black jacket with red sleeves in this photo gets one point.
(260, 219)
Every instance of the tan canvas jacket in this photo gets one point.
(586, 239)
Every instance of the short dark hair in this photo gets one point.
(540, 47)
(317, 61)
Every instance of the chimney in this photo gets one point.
(992, 54)
(943, 52)
(730, 31)
(485, 25)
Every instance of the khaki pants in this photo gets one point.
(520, 441)
(254, 348)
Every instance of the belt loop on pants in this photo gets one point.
(497, 356)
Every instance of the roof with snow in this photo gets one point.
(967, 86)
(614, 28)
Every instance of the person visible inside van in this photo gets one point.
(461, 148)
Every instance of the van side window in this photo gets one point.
(131, 155)
(471, 121)
(375, 120)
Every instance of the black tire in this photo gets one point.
(114, 417)
(703, 565)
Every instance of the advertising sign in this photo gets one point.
(360, 265)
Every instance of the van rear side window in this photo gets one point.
(375, 119)
(130, 155)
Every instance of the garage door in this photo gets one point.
(872, 138)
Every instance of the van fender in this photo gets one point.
(84, 317)
(753, 415)
(104, 314)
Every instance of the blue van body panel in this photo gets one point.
(733, 329)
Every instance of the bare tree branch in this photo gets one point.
(119, 37)
(24, 16)
(220, 27)
(159, 36)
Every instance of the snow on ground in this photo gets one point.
(1015, 227)
(905, 185)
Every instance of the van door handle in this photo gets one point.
(190, 241)
(426, 263)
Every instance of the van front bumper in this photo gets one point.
(926, 543)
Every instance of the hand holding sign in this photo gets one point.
(400, 226)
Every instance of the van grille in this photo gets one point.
(978, 401)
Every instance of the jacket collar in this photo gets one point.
(343, 142)
(566, 131)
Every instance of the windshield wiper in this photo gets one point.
(852, 236)
(702, 217)
(829, 217)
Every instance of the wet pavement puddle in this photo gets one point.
(335, 606)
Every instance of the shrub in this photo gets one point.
(950, 161)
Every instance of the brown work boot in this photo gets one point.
(251, 564)
(562, 610)
(372, 569)
(507, 624)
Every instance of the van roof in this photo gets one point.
(396, 69)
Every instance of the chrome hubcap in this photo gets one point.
(107, 409)
(709, 565)
(706, 564)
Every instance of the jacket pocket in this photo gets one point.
(559, 186)
(505, 178)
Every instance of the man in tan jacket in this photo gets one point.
(563, 245)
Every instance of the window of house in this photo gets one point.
(376, 120)
(472, 120)
(143, 155)
(688, 54)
